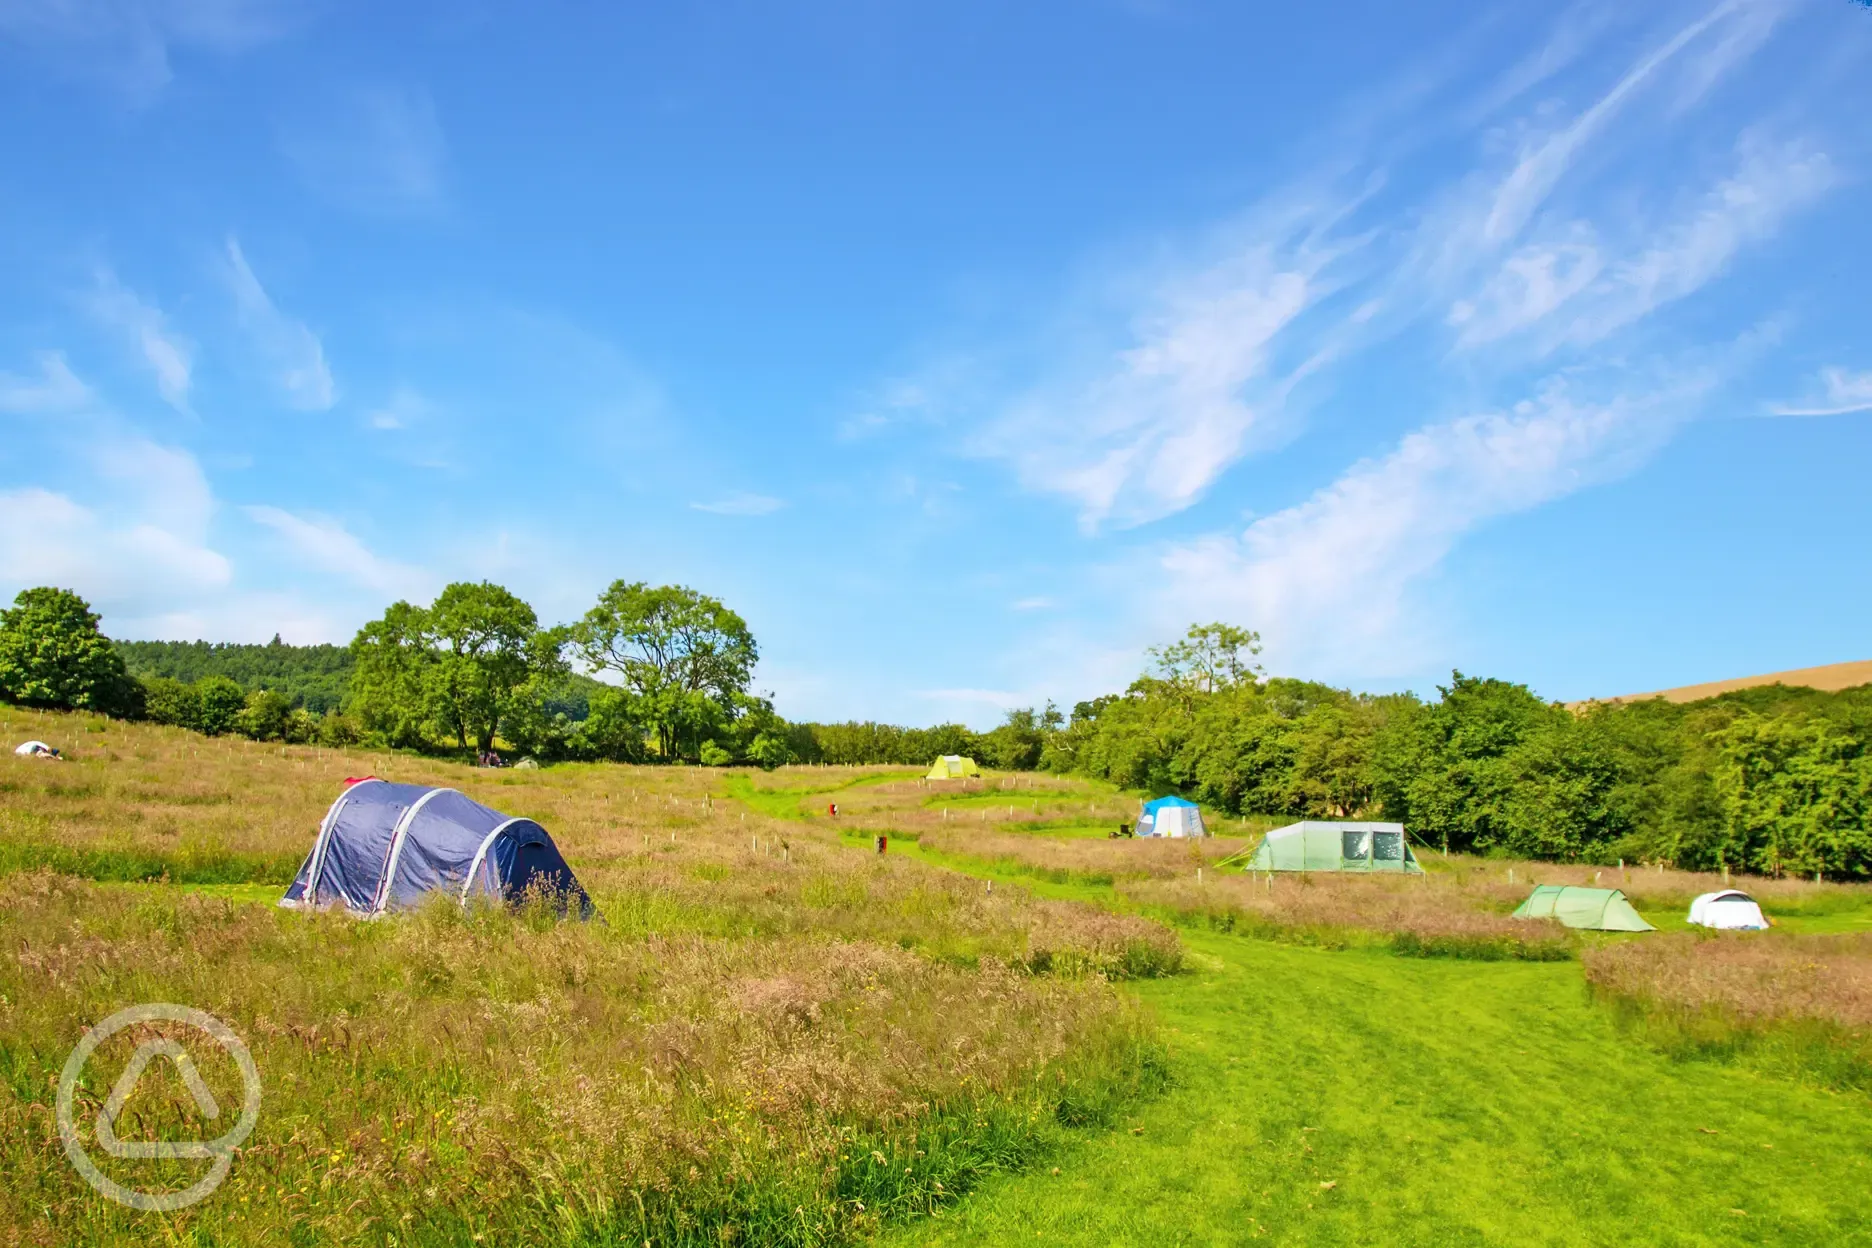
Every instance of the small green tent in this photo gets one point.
(1596, 909)
(1321, 845)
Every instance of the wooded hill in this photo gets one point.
(316, 678)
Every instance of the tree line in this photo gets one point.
(472, 671)
(471, 668)
(1775, 780)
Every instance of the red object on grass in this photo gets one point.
(351, 780)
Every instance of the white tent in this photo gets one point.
(1730, 909)
(27, 749)
(1171, 816)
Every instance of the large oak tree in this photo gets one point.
(685, 655)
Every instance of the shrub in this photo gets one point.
(219, 702)
(338, 731)
(264, 715)
(171, 702)
(301, 727)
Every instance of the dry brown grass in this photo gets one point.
(772, 1036)
(1753, 978)
(1083, 859)
(1428, 915)
(1790, 1003)
(1662, 889)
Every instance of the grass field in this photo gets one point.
(769, 1038)
(780, 1037)
(1353, 1096)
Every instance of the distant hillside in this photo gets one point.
(314, 677)
(1829, 679)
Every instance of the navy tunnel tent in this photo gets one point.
(387, 846)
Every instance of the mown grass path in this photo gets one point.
(1363, 1098)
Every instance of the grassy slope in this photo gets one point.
(1451, 1103)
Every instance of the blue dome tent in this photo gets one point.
(386, 846)
(1171, 816)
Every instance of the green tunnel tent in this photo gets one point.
(1327, 845)
(1594, 909)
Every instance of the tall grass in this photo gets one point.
(1797, 1003)
(1074, 860)
(881, 800)
(769, 1039)
(1420, 916)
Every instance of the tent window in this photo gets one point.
(1388, 846)
(1357, 846)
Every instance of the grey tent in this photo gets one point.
(1324, 845)
(386, 846)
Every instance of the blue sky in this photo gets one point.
(966, 349)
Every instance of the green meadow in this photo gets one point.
(1354, 1096)
(1007, 1029)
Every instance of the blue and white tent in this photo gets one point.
(1171, 816)
(386, 846)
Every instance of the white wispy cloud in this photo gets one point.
(55, 389)
(742, 505)
(144, 543)
(376, 150)
(1031, 604)
(286, 346)
(1579, 288)
(1845, 392)
(1559, 243)
(1325, 581)
(324, 544)
(1212, 355)
(1148, 425)
(127, 44)
(1545, 161)
(169, 356)
(405, 407)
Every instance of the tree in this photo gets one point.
(1017, 743)
(53, 655)
(265, 715)
(1797, 793)
(391, 672)
(612, 728)
(1444, 770)
(457, 668)
(681, 652)
(490, 644)
(219, 702)
(171, 702)
(1210, 658)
